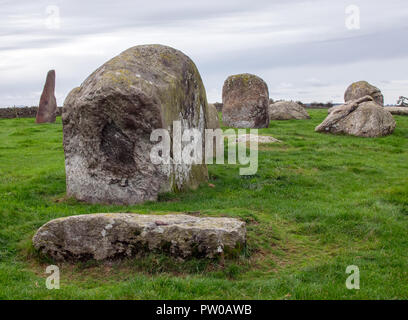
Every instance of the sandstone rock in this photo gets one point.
(110, 236)
(361, 89)
(362, 117)
(400, 111)
(245, 101)
(213, 121)
(108, 120)
(287, 110)
(48, 104)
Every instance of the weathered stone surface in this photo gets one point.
(287, 110)
(108, 120)
(361, 89)
(213, 121)
(245, 99)
(362, 117)
(47, 110)
(400, 111)
(110, 236)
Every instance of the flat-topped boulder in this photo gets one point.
(362, 117)
(245, 99)
(108, 121)
(287, 110)
(361, 89)
(112, 236)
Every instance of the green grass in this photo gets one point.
(317, 204)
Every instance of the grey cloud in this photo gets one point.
(376, 46)
(328, 45)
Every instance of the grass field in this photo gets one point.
(317, 204)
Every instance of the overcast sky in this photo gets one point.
(302, 49)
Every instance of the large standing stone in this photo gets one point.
(110, 236)
(287, 110)
(362, 117)
(47, 110)
(361, 89)
(245, 99)
(108, 120)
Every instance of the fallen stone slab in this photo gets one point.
(113, 236)
(399, 111)
(242, 138)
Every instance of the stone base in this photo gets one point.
(111, 236)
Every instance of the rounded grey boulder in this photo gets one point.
(112, 236)
(108, 120)
(287, 110)
(361, 89)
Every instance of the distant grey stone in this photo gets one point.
(213, 121)
(110, 236)
(287, 110)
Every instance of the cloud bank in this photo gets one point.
(301, 48)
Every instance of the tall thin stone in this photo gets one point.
(48, 104)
